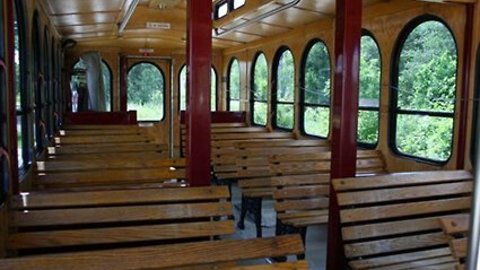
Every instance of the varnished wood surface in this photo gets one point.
(114, 163)
(106, 148)
(43, 200)
(162, 257)
(398, 215)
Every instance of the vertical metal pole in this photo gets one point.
(467, 56)
(11, 97)
(472, 262)
(348, 29)
(199, 55)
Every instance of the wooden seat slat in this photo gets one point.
(401, 179)
(404, 193)
(441, 263)
(162, 257)
(218, 130)
(302, 192)
(302, 214)
(68, 165)
(117, 176)
(42, 200)
(404, 209)
(97, 157)
(403, 243)
(118, 214)
(400, 259)
(312, 203)
(99, 127)
(249, 136)
(380, 229)
(102, 139)
(70, 150)
(43, 239)
(285, 143)
(296, 180)
(299, 265)
(126, 131)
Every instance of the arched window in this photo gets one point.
(78, 78)
(283, 89)
(213, 90)
(146, 91)
(23, 112)
(182, 85)
(233, 86)
(423, 92)
(259, 92)
(315, 90)
(369, 94)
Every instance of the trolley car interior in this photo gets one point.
(239, 134)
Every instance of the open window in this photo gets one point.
(259, 92)
(283, 89)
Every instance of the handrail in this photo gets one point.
(258, 18)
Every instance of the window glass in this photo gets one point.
(425, 94)
(316, 90)
(285, 91)
(107, 84)
(238, 4)
(369, 96)
(260, 90)
(213, 90)
(234, 86)
(183, 88)
(222, 10)
(145, 92)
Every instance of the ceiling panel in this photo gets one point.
(92, 18)
(83, 6)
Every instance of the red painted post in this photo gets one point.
(348, 31)
(11, 97)
(467, 56)
(199, 55)
(123, 83)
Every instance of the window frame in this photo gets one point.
(302, 104)
(274, 85)
(38, 81)
(394, 112)
(365, 145)
(164, 88)
(228, 95)
(105, 63)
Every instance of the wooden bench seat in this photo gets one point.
(391, 221)
(194, 255)
(133, 147)
(457, 229)
(308, 186)
(102, 132)
(98, 127)
(48, 220)
(111, 177)
(111, 139)
(141, 162)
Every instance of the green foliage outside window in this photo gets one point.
(426, 92)
(316, 91)
(285, 91)
(146, 92)
(369, 94)
(260, 90)
(234, 86)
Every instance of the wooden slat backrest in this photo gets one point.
(251, 136)
(117, 139)
(106, 148)
(392, 219)
(148, 161)
(103, 132)
(98, 127)
(162, 257)
(107, 177)
(117, 216)
(298, 265)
